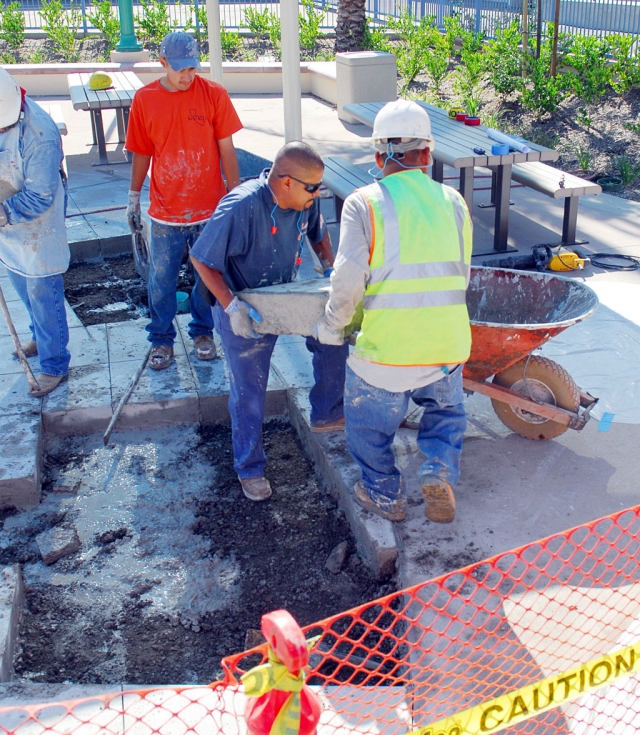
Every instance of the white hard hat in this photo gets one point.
(406, 120)
(10, 99)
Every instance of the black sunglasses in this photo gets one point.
(311, 188)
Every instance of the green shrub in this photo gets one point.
(470, 73)
(436, 61)
(229, 41)
(504, 59)
(415, 38)
(258, 22)
(12, 29)
(275, 35)
(625, 73)
(107, 22)
(628, 172)
(453, 31)
(62, 27)
(200, 31)
(309, 25)
(542, 92)
(589, 57)
(374, 37)
(154, 24)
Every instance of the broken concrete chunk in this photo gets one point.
(337, 557)
(57, 542)
(66, 487)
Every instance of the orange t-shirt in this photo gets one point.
(180, 130)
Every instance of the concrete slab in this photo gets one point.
(88, 387)
(88, 346)
(292, 362)
(14, 392)
(127, 341)
(11, 606)
(289, 308)
(57, 542)
(20, 452)
(10, 365)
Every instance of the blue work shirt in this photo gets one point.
(239, 240)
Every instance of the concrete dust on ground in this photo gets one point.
(175, 565)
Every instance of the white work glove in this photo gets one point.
(326, 334)
(134, 217)
(240, 316)
(3, 216)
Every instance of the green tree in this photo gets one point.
(62, 27)
(504, 59)
(351, 26)
(309, 25)
(12, 28)
(107, 22)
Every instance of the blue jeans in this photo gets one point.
(249, 361)
(165, 255)
(44, 299)
(373, 416)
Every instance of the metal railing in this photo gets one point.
(593, 17)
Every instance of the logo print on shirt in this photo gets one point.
(193, 115)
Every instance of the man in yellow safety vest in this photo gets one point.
(404, 254)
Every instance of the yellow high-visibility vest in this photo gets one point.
(414, 310)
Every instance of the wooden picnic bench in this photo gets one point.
(557, 185)
(118, 98)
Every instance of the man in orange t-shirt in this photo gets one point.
(184, 124)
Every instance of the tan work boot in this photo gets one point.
(29, 348)
(396, 512)
(255, 488)
(326, 427)
(47, 383)
(205, 347)
(441, 504)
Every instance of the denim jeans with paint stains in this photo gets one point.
(44, 299)
(248, 361)
(165, 254)
(373, 416)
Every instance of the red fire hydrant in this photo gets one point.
(278, 701)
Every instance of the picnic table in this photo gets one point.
(455, 143)
(118, 98)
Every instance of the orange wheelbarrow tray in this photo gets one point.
(512, 313)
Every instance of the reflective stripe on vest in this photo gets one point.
(419, 267)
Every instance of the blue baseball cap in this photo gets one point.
(180, 50)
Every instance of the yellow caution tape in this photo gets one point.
(274, 675)
(533, 699)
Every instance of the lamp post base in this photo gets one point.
(118, 57)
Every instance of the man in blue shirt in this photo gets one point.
(255, 239)
(33, 236)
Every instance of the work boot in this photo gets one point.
(438, 495)
(395, 512)
(29, 348)
(255, 488)
(325, 427)
(47, 383)
(160, 357)
(205, 347)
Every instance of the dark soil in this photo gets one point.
(280, 545)
(112, 283)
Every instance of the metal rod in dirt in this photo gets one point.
(125, 398)
(31, 378)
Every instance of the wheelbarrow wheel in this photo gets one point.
(546, 382)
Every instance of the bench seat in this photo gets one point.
(343, 178)
(55, 112)
(557, 185)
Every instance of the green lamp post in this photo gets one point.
(128, 40)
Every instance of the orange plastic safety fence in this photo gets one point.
(414, 657)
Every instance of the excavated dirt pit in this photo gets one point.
(175, 566)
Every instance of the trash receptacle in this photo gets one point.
(364, 76)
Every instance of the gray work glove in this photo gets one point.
(240, 316)
(3, 216)
(326, 334)
(134, 217)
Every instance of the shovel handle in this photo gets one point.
(31, 378)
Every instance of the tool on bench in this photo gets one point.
(543, 257)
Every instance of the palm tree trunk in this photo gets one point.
(350, 25)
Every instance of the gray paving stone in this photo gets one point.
(87, 387)
(292, 361)
(109, 224)
(88, 346)
(127, 341)
(19, 459)
(80, 231)
(14, 392)
(176, 383)
(110, 193)
(11, 607)
(57, 542)
(10, 365)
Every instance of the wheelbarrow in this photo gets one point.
(513, 313)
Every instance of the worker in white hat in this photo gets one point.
(33, 236)
(404, 255)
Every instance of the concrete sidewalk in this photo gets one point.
(512, 490)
